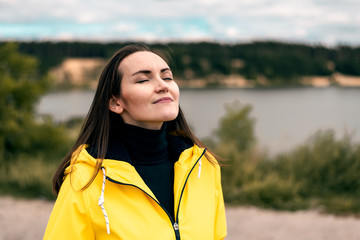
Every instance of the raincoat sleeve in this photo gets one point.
(70, 216)
(220, 221)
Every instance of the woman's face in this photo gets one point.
(149, 95)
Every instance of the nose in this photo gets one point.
(161, 85)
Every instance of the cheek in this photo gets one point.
(176, 92)
(128, 101)
(133, 102)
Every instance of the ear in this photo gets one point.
(115, 105)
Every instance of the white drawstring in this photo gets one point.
(199, 168)
(102, 200)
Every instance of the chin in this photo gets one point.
(169, 116)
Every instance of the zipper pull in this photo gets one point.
(176, 228)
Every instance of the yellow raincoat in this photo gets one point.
(119, 205)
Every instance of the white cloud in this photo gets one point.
(231, 32)
(309, 20)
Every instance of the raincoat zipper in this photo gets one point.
(175, 224)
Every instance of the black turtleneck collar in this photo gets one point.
(137, 145)
(145, 146)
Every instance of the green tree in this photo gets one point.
(20, 88)
(237, 126)
(235, 139)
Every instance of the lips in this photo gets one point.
(163, 100)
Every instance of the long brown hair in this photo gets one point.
(95, 129)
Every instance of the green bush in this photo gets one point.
(273, 192)
(341, 205)
(321, 173)
(29, 144)
(325, 165)
(29, 177)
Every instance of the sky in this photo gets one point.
(327, 22)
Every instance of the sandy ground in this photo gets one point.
(26, 219)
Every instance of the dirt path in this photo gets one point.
(26, 220)
(259, 224)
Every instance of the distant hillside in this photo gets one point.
(78, 73)
(260, 63)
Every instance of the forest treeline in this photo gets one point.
(278, 62)
(322, 173)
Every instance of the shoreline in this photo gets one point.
(289, 87)
(83, 73)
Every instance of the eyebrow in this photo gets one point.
(148, 71)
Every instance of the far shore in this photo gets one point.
(82, 73)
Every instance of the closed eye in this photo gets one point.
(168, 79)
(142, 81)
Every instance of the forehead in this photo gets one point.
(143, 60)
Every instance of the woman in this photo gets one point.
(136, 171)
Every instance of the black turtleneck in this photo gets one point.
(148, 152)
(152, 153)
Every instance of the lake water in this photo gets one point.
(284, 117)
